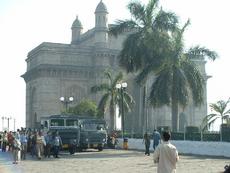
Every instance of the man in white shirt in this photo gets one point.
(166, 155)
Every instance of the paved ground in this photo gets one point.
(108, 161)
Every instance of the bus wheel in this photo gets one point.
(100, 148)
(71, 150)
(79, 149)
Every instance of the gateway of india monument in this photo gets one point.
(56, 70)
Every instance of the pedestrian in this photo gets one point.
(33, 144)
(47, 148)
(156, 139)
(227, 169)
(10, 140)
(4, 141)
(166, 155)
(0, 140)
(57, 144)
(16, 147)
(23, 140)
(146, 140)
(39, 144)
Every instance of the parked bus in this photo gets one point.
(78, 132)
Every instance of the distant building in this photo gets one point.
(57, 70)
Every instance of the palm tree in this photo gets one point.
(149, 35)
(111, 96)
(178, 78)
(147, 43)
(156, 48)
(220, 111)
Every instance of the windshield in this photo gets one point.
(93, 126)
(71, 122)
(57, 122)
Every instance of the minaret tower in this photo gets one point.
(76, 31)
(101, 25)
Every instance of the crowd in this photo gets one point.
(45, 144)
(37, 143)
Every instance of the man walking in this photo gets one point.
(156, 138)
(146, 140)
(166, 155)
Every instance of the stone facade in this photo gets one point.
(55, 70)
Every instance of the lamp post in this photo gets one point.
(8, 122)
(66, 101)
(14, 124)
(121, 87)
(3, 118)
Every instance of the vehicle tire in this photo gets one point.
(100, 148)
(79, 149)
(72, 150)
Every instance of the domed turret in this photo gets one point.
(101, 24)
(76, 30)
(101, 8)
(101, 15)
(76, 23)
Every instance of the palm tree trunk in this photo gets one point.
(221, 133)
(175, 119)
(112, 119)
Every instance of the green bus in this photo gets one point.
(78, 132)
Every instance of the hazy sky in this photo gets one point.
(24, 24)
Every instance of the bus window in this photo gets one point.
(46, 124)
(71, 122)
(57, 122)
(94, 126)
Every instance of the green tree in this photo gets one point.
(85, 107)
(111, 96)
(156, 47)
(148, 40)
(178, 78)
(149, 33)
(220, 110)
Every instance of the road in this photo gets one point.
(108, 161)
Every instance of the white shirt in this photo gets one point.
(166, 155)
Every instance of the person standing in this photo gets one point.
(0, 140)
(156, 138)
(146, 140)
(57, 143)
(166, 155)
(16, 147)
(39, 144)
(33, 144)
(23, 140)
(10, 140)
(4, 141)
(47, 148)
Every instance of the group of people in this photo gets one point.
(165, 154)
(36, 142)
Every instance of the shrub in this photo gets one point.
(192, 129)
(211, 136)
(177, 136)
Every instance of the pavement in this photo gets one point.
(109, 161)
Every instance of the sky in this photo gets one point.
(24, 24)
